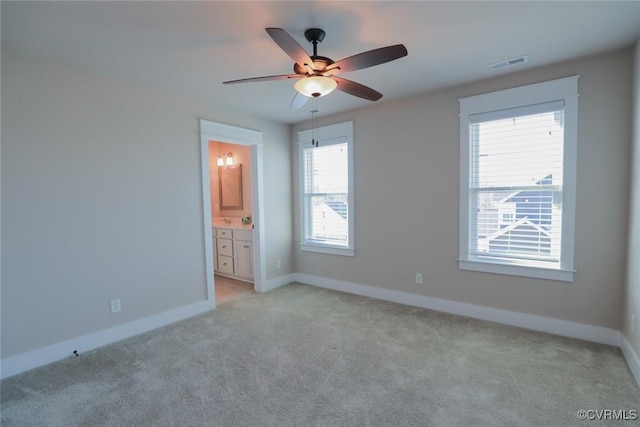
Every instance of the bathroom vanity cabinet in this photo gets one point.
(233, 252)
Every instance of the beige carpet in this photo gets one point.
(304, 356)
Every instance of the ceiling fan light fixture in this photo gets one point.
(316, 86)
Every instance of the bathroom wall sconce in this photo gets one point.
(225, 159)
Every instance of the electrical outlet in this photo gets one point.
(419, 278)
(115, 305)
(278, 264)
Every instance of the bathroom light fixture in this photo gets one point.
(315, 86)
(225, 159)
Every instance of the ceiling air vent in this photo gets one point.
(509, 62)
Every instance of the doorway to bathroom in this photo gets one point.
(231, 217)
(232, 210)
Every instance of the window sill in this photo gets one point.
(331, 250)
(487, 266)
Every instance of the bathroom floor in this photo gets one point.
(228, 289)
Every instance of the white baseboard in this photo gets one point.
(43, 356)
(632, 358)
(528, 321)
(277, 282)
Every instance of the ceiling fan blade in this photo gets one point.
(264, 79)
(298, 101)
(290, 46)
(357, 89)
(370, 58)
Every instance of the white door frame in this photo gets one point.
(219, 132)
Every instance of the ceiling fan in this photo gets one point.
(316, 74)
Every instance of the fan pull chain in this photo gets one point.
(314, 123)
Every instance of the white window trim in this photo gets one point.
(327, 133)
(562, 89)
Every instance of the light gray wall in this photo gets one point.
(102, 199)
(407, 189)
(632, 305)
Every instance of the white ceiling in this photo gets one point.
(190, 48)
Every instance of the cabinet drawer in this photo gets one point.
(225, 264)
(225, 233)
(245, 235)
(225, 247)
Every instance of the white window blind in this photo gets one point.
(326, 189)
(326, 192)
(518, 154)
(516, 182)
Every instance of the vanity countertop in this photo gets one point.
(233, 223)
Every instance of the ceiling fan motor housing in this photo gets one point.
(320, 63)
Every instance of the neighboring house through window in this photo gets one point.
(326, 189)
(517, 186)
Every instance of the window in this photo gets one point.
(326, 189)
(517, 184)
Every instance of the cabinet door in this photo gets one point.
(243, 259)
